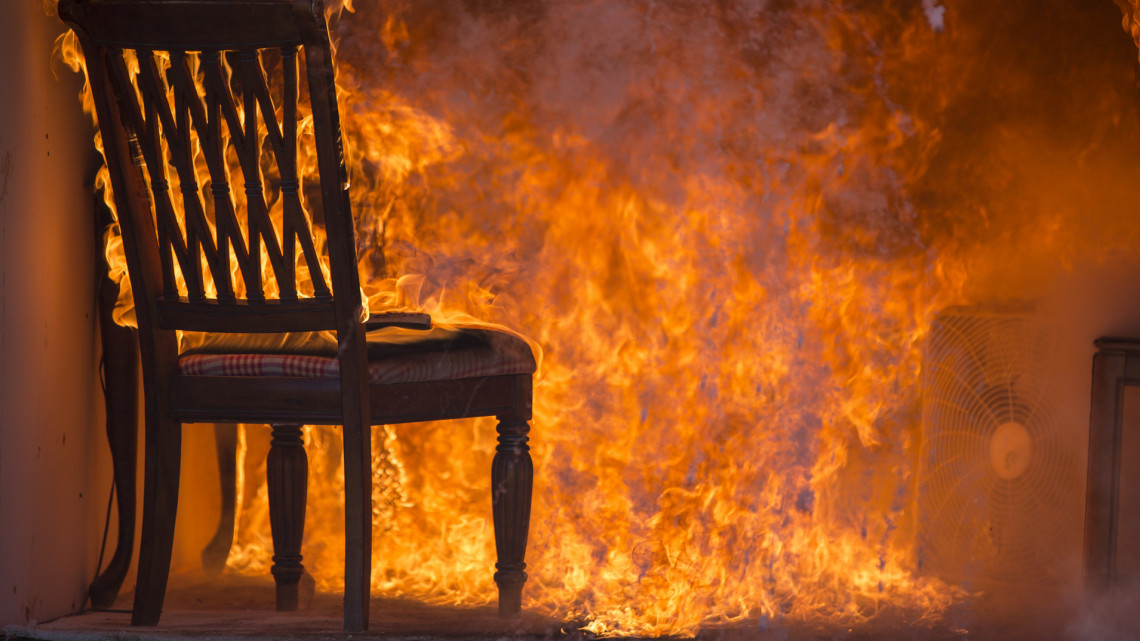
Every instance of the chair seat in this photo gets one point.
(394, 356)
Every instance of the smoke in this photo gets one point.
(1107, 617)
(964, 132)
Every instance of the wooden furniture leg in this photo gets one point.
(287, 472)
(216, 552)
(512, 476)
(120, 398)
(160, 506)
(358, 523)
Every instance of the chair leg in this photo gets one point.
(357, 525)
(1103, 484)
(120, 368)
(163, 461)
(512, 476)
(287, 469)
(216, 552)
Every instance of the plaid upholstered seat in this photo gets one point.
(394, 355)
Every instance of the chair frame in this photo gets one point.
(130, 136)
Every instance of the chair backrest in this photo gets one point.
(191, 95)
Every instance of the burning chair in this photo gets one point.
(278, 334)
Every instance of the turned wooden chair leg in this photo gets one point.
(160, 505)
(512, 476)
(216, 552)
(120, 371)
(287, 470)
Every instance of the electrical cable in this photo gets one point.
(107, 518)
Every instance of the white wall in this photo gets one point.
(54, 466)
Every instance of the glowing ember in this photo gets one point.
(728, 226)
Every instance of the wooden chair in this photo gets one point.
(201, 83)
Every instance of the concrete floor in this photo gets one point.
(234, 608)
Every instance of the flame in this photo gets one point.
(720, 362)
(729, 230)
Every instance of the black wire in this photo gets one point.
(85, 611)
(103, 545)
(110, 495)
(106, 528)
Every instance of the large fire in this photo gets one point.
(728, 225)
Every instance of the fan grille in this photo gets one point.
(996, 498)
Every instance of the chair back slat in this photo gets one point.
(146, 142)
(249, 70)
(175, 131)
(202, 116)
(293, 214)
